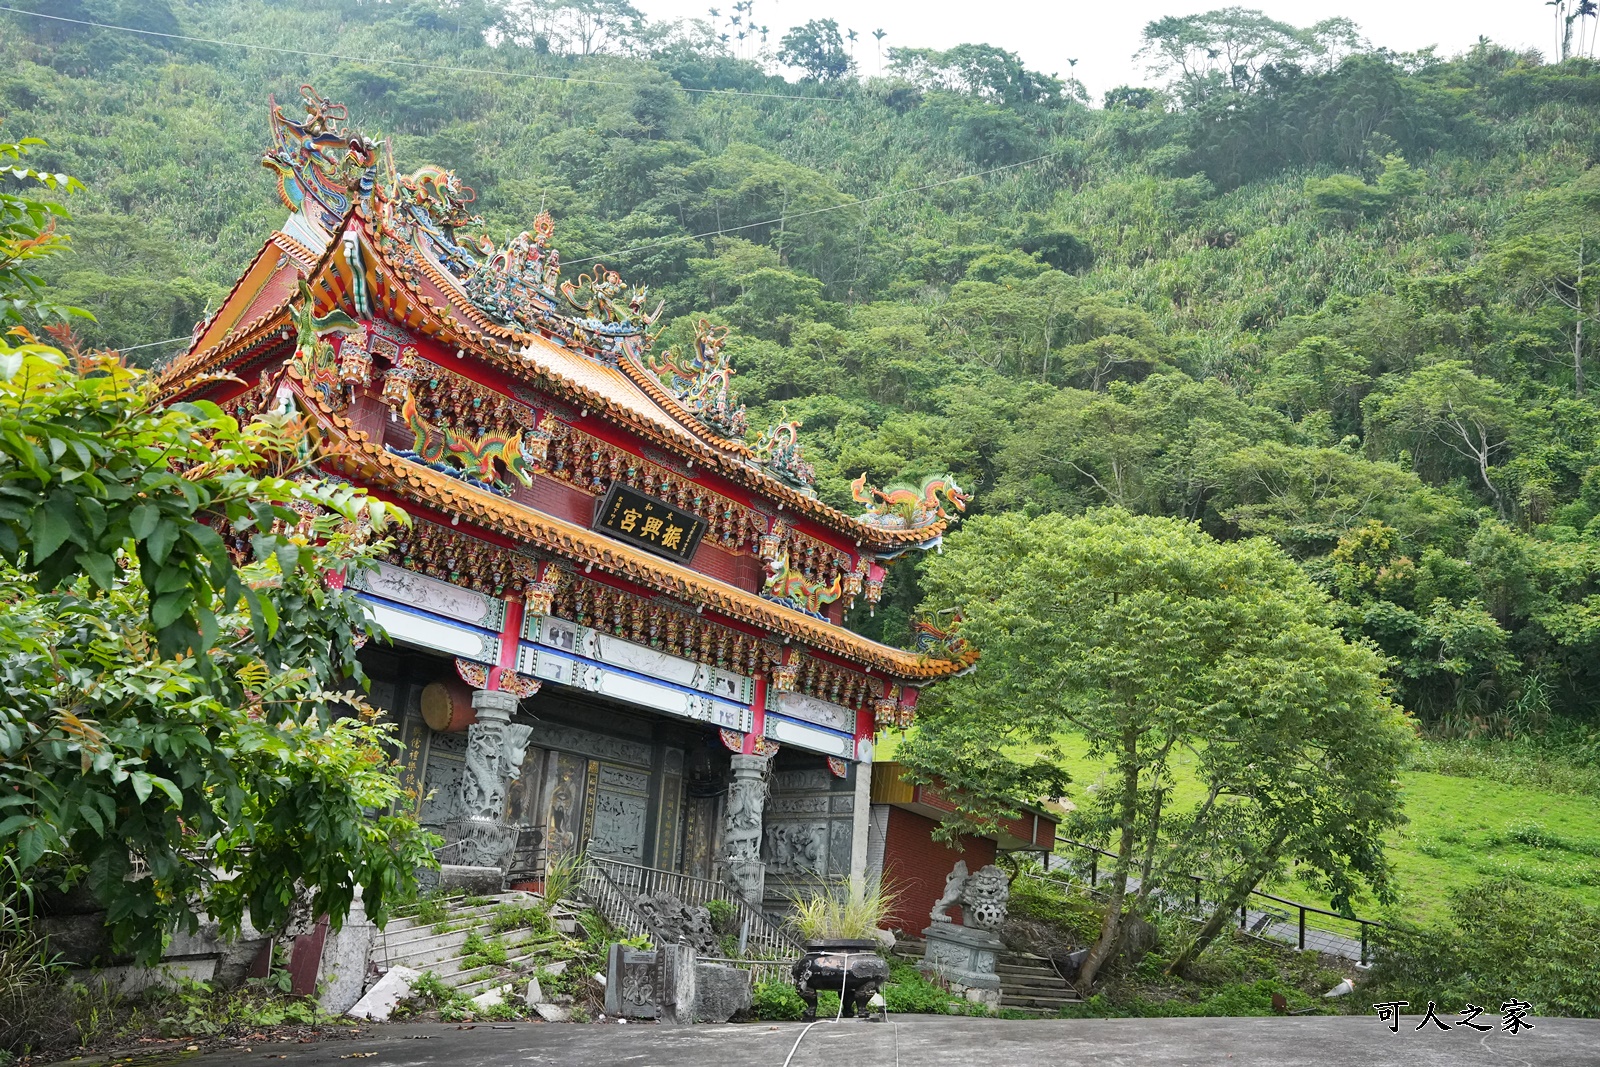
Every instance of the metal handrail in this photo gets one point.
(781, 968)
(1302, 909)
(614, 905)
(763, 936)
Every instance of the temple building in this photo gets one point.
(615, 622)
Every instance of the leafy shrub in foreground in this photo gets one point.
(1509, 939)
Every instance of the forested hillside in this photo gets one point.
(1328, 294)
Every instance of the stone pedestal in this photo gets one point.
(741, 829)
(678, 986)
(493, 760)
(966, 957)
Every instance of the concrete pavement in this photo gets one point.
(922, 1041)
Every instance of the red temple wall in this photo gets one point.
(915, 866)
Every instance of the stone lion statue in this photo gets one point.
(982, 896)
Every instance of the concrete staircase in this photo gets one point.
(1031, 983)
(1028, 983)
(440, 946)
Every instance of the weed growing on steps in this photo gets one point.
(429, 992)
(508, 917)
(487, 962)
(481, 952)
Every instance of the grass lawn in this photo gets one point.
(1461, 830)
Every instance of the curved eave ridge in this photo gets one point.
(350, 450)
(619, 388)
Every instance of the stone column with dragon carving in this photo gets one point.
(495, 747)
(741, 861)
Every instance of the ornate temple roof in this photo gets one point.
(588, 340)
(364, 241)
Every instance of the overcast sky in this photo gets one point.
(1102, 35)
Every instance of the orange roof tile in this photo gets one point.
(633, 393)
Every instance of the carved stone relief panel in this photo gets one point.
(809, 829)
(621, 778)
(566, 804)
(840, 833)
(621, 807)
(804, 781)
(593, 745)
(798, 806)
(442, 782)
(383, 696)
(796, 850)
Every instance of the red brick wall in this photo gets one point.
(915, 866)
(742, 570)
(556, 498)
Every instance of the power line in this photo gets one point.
(575, 81)
(814, 211)
(418, 64)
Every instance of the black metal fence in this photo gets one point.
(1306, 926)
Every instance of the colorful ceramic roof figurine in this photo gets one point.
(472, 382)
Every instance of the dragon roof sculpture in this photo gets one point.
(322, 167)
(780, 450)
(702, 380)
(425, 219)
(903, 507)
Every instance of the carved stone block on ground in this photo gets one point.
(676, 921)
(476, 881)
(720, 992)
(380, 1000)
(633, 983)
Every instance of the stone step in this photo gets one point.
(1046, 1003)
(1017, 968)
(398, 944)
(406, 925)
(423, 952)
(1036, 987)
(442, 947)
(530, 962)
(456, 971)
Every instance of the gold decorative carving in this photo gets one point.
(660, 626)
(451, 556)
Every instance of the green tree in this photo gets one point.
(1306, 499)
(1229, 47)
(978, 70)
(28, 235)
(818, 49)
(1448, 409)
(1143, 636)
(179, 659)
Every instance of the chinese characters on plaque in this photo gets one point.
(631, 516)
(1513, 1016)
